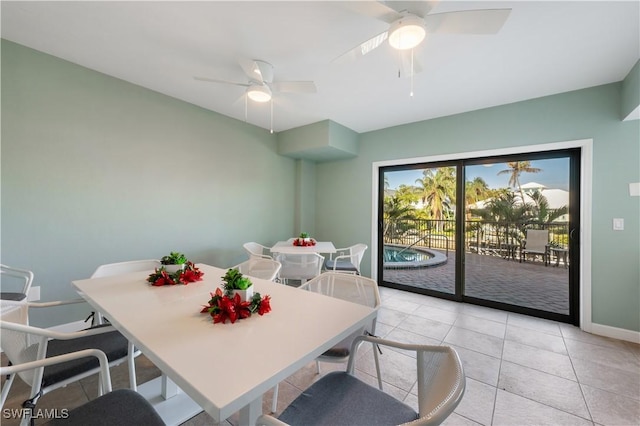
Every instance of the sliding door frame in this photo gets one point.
(585, 178)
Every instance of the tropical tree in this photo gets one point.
(542, 212)
(503, 211)
(396, 211)
(474, 191)
(516, 168)
(437, 189)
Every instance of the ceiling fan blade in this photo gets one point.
(215, 80)
(362, 49)
(294, 86)
(257, 70)
(374, 9)
(485, 21)
(419, 8)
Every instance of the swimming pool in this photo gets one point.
(401, 257)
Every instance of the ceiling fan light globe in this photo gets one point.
(259, 93)
(407, 32)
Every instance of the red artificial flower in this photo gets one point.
(265, 305)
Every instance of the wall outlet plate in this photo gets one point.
(618, 224)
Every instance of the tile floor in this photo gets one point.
(520, 370)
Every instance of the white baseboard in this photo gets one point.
(615, 333)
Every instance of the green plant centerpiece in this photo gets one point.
(237, 301)
(304, 240)
(235, 282)
(174, 269)
(174, 261)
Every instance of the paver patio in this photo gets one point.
(529, 284)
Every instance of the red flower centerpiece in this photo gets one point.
(304, 241)
(175, 269)
(229, 305)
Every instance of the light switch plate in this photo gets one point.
(618, 224)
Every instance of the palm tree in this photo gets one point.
(395, 210)
(516, 168)
(542, 212)
(438, 190)
(474, 191)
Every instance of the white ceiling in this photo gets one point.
(544, 48)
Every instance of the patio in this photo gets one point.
(529, 284)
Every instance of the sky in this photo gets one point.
(554, 174)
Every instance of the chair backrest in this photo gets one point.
(10, 274)
(256, 250)
(266, 269)
(353, 288)
(537, 240)
(300, 266)
(19, 347)
(357, 253)
(125, 267)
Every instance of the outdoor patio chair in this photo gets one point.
(120, 407)
(118, 268)
(340, 398)
(23, 343)
(535, 243)
(266, 269)
(255, 250)
(347, 259)
(352, 288)
(22, 276)
(301, 267)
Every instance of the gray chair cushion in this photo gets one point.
(16, 297)
(340, 399)
(121, 407)
(113, 344)
(340, 265)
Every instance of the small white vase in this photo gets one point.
(173, 268)
(245, 295)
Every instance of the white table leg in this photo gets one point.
(250, 413)
(169, 388)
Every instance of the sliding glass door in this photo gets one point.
(498, 231)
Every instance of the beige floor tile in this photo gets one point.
(514, 410)
(608, 378)
(481, 325)
(532, 323)
(539, 359)
(545, 388)
(611, 409)
(391, 317)
(436, 314)
(486, 313)
(536, 339)
(426, 327)
(475, 341)
(622, 359)
(477, 402)
(478, 366)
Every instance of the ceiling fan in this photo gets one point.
(410, 22)
(260, 86)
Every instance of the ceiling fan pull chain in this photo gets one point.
(271, 115)
(411, 93)
(245, 107)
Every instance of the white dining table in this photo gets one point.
(287, 247)
(223, 368)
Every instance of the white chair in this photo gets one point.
(301, 267)
(352, 288)
(111, 269)
(9, 274)
(23, 343)
(255, 250)
(340, 398)
(347, 259)
(120, 407)
(536, 242)
(266, 269)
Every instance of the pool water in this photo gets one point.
(401, 257)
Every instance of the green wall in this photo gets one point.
(96, 170)
(344, 194)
